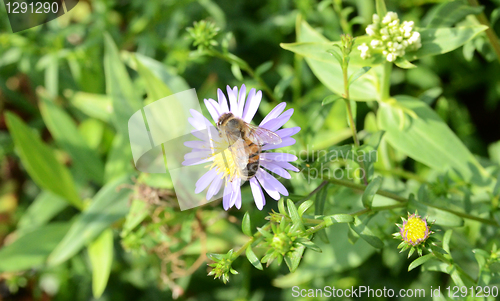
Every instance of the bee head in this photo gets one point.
(223, 118)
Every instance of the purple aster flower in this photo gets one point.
(214, 149)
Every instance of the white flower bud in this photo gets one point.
(391, 36)
(375, 43)
(370, 30)
(389, 17)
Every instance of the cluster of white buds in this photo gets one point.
(390, 37)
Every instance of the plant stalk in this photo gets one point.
(352, 123)
(490, 33)
(385, 85)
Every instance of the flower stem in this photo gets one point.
(385, 85)
(344, 24)
(490, 33)
(352, 123)
(401, 199)
(250, 241)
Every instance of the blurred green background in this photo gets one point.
(59, 80)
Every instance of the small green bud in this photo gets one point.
(203, 33)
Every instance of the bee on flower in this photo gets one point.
(390, 37)
(236, 149)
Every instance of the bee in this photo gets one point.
(245, 143)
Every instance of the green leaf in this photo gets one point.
(366, 233)
(45, 206)
(292, 259)
(449, 13)
(281, 206)
(304, 206)
(66, 134)
(119, 87)
(101, 257)
(294, 214)
(246, 225)
(352, 236)
(155, 87)
(31, 249)
(119, 159)
(309, 244)
(330, 99)
(138, 212)
(52, 76)
(381, 9)
(338, 219)
(92, 131)
(108, 206)
(319, 203)
(495, 15)
(370, 192)
(427, 139)
(446, 240)
(253, 258)
(41, 163)
(404, 64)
(441, 40)
(358, 74)
(263, 68)
(419, 261)
(235, 69)
(336, 53)
(94, 105)
(167, 75)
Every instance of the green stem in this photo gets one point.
(250, 241)
(401, 199)
(352, 123)
(385, 85)
(490, 33)
(344, 24)
(362, 187)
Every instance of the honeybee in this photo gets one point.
(245, 143)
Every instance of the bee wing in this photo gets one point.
(240, 156)
(261, 136)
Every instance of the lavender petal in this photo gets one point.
(272, 191)
(274, 113)
(257, 193)
(252, 105)
(206, 179)
(222, 101)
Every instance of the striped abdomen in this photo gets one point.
(253, 151)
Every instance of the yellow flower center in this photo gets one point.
(224, 161)
(415, 230)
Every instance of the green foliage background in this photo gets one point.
(74, 212)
